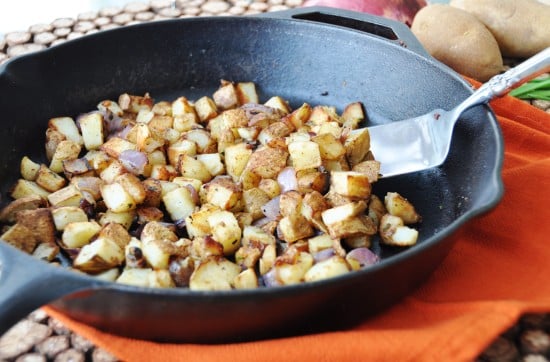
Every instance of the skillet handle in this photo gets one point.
(383, 28)
(27, 284)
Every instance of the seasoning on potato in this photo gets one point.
(222, 193)
(458, 39)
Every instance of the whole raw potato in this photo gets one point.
(458, 39)
(521, 27)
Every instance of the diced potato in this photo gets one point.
(20, 237)
(278, 103)
(123, 218)
(357, 145)
(397, 205)
(197, 223)
(353, 114)
(40, 222)
(246, 93)
(225, 230)
(319, 242)
(67, 127)
(371, 168)
(292, 270)
(212, 162)
(294, 227)
(193, 168)
(253, 200)
(204, 141)
(65, 150)
(132, 184)
(270, 187)
(206, 108)
(268, 259)
(180, 147)
(134, 104)
(135, 277)
(116, 145)
(351, 184)
(98, 160)
(163, 172)
(215, 273)
(223, 192)
(267, 162)
(236, 159)
(275, 130)
(98, 256)
(304, 155)
(160, 279)
(77, 167)
(253, 235)
(299, 116)
(327, 268)
(24, 188)
(29, 169)
(88, 184)
(116, 198)
(31, 202)
(79, 233)
(49, 180)
(67, 196)
(246, 279)
(115, 232)
(62, 216)
(323, 114)
(394, 232)
(226, 96)
(181, 106)
(109, 275)
(179, 203)
(329, 147)
(157, 231)
(108, 106)
(46, 251)
(157, 254)
(91, 126)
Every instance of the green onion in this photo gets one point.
(538, 88)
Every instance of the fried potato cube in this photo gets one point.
(329, 147)
(157, 231)
(270, 187)
(134, 104)
(31, 202)
(225, 97)
(132, 184)
(253, 200)
(65, 150)
(371, 168)
(167, 186)
(98, 160)
(157, 253)
(357, 145)
(181, 106)
(397, 205)
(246, 93)
(323, 114)
(299, 116)
(352, 184)
(252, 235)
(62, 216)
(41, 223)
(116, 145)
(290, 202)
(319, 242)
(193, 168)
(353, 115)
(204, 246)
(49, 180)
(53, 138)
(267, 162)
(206, 108)
(77, 167)
(153, 192)
(67, 196)
(312, 180)
(24, 188)
(223, 192)
(247, 279)
(108, 106)
(236, 159)
(338, 218)
(274, 131)
(214, 273)
(336, 165)
(180, 147)
(29, 169)
(160, 279)
(163, 172)
(204, 141)
(88, 185)
(20, 237)
(67, 127)
(138, 277)
(123, 218)
(332, 128)
(291, 270)
(225, 230)
(213, 163)
(328, 268)
(304, 155)
(278, 103)
(267, 259)
(294, 227)
(115, 232)
(79, 233)
(179, 203)
(197, 223)
(146, 214)
(91, 126)
(393, 231)
(116, 198)
(100, 255)
(46, 251)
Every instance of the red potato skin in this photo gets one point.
(400, 10)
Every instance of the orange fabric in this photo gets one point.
(498, 269)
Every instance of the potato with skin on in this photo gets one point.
(277, 103)
(267, 162)
(49, 180)
(397, 205)
(223, 192)
(393, 231)
(371, 168)
(197, 224)
(65, 150)
(40, 221)
(31, 202)
(520, 27)
(253, 200)
(29, 169)
(226, 97)
(291, 267)
(294, 227)
(24, 188)
(246, 93)
(214, 273)
(353, 115)
(190, 167)
(20, 237)
(351, 184)
(462, 42)
(134, 104)
(157, 231)
(357, 145)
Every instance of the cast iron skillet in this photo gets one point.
(314, 55)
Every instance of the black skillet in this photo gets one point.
(315, 55)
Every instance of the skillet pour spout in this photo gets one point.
(320, 56)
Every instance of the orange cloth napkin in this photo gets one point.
(498, 270)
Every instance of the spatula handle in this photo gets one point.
(503, 83)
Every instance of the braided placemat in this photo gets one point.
(41, 338)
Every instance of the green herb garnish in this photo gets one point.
(538, 88)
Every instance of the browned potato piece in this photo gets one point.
(31, 202)
(40, 222)
(267, 162)
(399, 206)
(20, 237)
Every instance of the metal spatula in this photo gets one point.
(423, 142)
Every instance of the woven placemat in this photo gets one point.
(41, 338)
